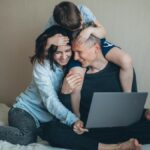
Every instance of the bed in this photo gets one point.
(40, 145)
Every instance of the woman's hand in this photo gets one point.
(147, 114)
(78, 127)
(71, 81)
(57, 40)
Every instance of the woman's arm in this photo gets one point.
(49, 95)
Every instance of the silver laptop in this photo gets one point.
(115, 109)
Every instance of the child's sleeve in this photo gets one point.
(87, 14)
(72, 63)
(106, 46)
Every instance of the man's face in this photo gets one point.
(84, 54)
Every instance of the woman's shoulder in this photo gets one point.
(41, 66)
(45, 67)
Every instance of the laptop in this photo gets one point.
(115, 109)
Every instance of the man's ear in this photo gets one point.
(97, 48)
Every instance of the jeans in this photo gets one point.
(22, 128)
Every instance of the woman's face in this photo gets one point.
(63, 55)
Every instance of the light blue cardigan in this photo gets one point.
(40, 98)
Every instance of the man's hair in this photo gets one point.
(67, 15)
(41, 42)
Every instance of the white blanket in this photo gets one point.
(41, 145)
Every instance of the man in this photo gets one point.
(101, 76)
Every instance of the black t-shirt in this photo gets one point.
(105, 47)
(106, 80)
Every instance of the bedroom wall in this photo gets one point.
(21, 21)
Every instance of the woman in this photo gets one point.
(39, 102)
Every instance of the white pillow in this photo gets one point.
(4, 114)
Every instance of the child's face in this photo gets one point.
(63, 55)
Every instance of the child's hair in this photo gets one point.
(41, 44)
(67, 15)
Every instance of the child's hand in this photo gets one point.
(79, 127)
(147, 114)
(57, 40)
(84, 35)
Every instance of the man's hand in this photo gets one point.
(71, 81)
(78, 127)
(57, 40)
(147, 114)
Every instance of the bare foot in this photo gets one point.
(131, 144)
(147, 114)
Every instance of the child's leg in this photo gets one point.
(124, 61)
(21, 130)
(76, 93)
(126, 77)
(147, 114)
(75, 102)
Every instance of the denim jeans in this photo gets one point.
(22, 128)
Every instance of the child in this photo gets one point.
(73, 17)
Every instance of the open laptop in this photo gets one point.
(115, 109)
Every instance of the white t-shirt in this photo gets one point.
(86, 15)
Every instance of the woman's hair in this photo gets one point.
(67, 15)
(41, 44)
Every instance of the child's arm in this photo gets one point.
(97, 30)
(76, 89)
(88, 17)
(124, 61)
